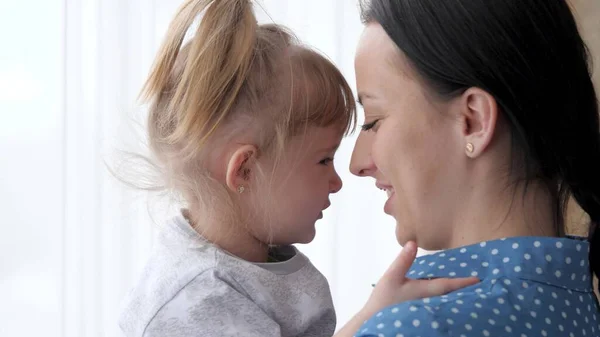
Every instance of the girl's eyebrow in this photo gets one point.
(330, 148)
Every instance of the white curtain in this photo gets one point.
(72, 238)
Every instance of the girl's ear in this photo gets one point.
(240, 167)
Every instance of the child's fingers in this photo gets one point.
(442, 286)
(402, 263)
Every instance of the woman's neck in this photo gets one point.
(493, 213)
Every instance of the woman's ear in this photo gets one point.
(479, 115)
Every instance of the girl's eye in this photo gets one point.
(326, 161)
(369, 126)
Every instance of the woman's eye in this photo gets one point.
(369, 126)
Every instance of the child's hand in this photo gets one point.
(394, 287)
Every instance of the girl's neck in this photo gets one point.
(232, 237)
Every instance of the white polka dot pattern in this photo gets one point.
(529, 287)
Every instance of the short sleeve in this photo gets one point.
(210, 306)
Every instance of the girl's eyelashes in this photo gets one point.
(326, 161)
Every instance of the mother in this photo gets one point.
(481, 122)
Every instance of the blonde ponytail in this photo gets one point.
(213, 72)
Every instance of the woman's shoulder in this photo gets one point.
(496, 306)
(435, 316)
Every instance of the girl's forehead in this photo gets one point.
(317, 138)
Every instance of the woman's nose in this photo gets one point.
(361, 163)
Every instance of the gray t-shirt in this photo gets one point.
(192, 288)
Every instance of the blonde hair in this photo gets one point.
(234, 75)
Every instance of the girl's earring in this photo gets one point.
(241, 189)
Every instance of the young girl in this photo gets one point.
(244, 122)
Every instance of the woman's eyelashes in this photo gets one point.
(369, 126)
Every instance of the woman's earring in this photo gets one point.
(470, 147)
(241, 189)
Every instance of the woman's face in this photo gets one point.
(412, 147)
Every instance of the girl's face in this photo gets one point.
(292, 199)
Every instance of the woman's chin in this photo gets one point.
(401, 236)
(405, 232)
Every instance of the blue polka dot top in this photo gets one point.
(530, 286)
